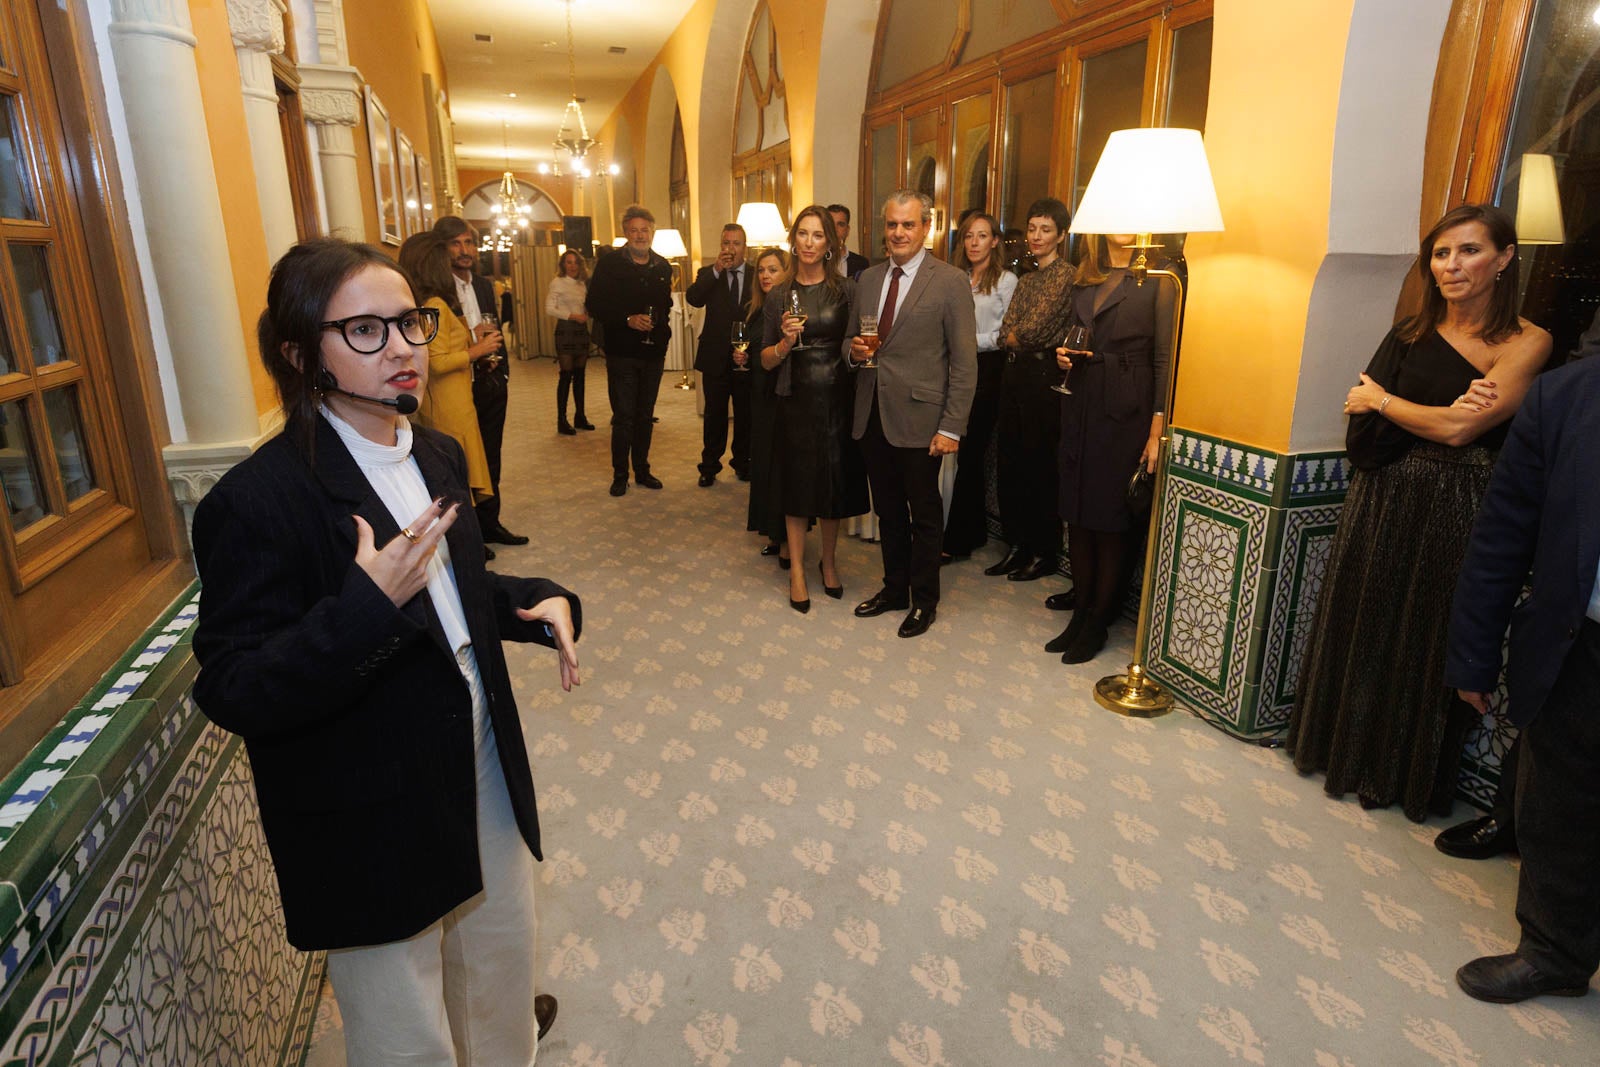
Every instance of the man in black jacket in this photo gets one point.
(630, 294)
(491, 378)
(723, 289)
(854, 262)
(1542, 511)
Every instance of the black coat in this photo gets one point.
(356, 719)
(1541, 513)
(500, 374)
(714, 354)
(854, 264)
(618, 288)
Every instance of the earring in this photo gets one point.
(1497, 275)
(826, 256)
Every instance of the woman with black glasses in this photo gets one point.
(350, 634)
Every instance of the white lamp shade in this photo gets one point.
(668, 243)
(1539, 202)
(1150, 181)
(763, 225)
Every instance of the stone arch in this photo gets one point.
(655, 175)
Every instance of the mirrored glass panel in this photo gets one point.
(969, 156)
(31, 267)
(885, 180)
(16, 188)
(922, 153)
(1110, 95)
(1025, 170)
(1191, 77)
(65, 419)
(19, 469)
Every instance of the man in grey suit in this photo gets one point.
(911, 410)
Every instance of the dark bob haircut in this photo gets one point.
(1050, 208)
(289, 332)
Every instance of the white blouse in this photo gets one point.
(564, 298)
(991, 309)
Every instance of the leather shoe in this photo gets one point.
(1062, 601)
(1087, 645)
(771, 548)
(502, 536)
(834, 591)
(649, 481)
(1034, 570)
(917, 622)
(1014, 558)
(1066, 638)
(742, 473)
(565, 429)
(1476, 839)
(544, 1012)
(1511, 979)
(619, 486)
(707, 480)
(583, 424)
(947, 558)
(488, 554)
(880, 602)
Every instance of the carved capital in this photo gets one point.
(330, 95)
(257, 25)
(194, 469)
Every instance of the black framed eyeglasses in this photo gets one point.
(368, 334)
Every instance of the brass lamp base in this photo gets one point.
(1133, 694)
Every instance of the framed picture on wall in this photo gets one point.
(385, 184)
(425, 191)
(405, 158)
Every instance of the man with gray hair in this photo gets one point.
(630, 295)
(911, 407)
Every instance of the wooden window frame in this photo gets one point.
(773, 158)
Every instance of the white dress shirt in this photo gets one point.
(722, 276)
(468, 297)
(991, 310)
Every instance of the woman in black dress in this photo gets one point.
(1110, 425)
(765, 515)
(822, 475)
(1371, 708)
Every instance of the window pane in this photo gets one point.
(1191, 77)
(969, 171)
(1553, 115)
(997, 23)
(1025, 172)
(62, 414)
(885, 180)
(19, 468)
(922, 150)
(8, 359)
(16, 191)
(1111, 94)
(917, 38)
(38, 303)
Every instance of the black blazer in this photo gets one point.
(1130, 337)
(482, 373)
(356, 719)
(1540, 512)
(854, 264)
(714, 354)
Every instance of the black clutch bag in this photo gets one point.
(1141, 488)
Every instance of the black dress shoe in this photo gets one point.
(619, 486)
(649, 481)
(917, 622)
(1476, 839)
(947, 558)
(502, 536)
(1014, 558)
(488, 554)
(835, 591)
(1062, 601)
(742, 473)
(707, 481)
(1512, 979)
(544, 1012)
(772, 548)
(1065, 639)
(1087, 645)
(565, 429)
(583, 424)
(783, 563)
(880, 602)
(1034, 570)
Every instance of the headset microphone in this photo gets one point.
(405, 403)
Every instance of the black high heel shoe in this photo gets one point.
(783, 561)
(769, 549)
(835, 591)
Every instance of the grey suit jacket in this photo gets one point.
(928, 365)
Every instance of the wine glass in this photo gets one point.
(649, 313)
(1077, 340)
(796, 311)
(739, 334)
(869, 336)
(492, 360)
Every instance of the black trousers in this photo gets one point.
(1558, 820)
(967, 529)
(905, 495)
(718, 392)
(1029, 431)
(489, 396)
(633, 385)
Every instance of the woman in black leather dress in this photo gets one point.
(821, 474)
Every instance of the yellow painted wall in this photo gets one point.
(236, 177)
(798, 24)
(1269, 135)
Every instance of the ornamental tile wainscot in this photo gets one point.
(139, 915)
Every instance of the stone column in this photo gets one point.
(330, 98)
(257, 27)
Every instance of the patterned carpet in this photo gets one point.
(799, 841)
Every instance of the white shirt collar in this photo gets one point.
(909, 267)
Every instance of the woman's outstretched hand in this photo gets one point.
(557, 614)
(400, 568)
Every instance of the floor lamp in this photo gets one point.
(1149, 181)
(668, 244)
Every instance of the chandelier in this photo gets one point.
(510, 210)
(572, 137)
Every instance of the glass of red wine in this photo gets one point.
(1077, 340)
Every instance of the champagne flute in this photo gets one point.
(1077, 340)
(869, 336)
(649, 313)
(740, 336)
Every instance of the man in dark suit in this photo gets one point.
(854, 262)
(1542, 511)
(491, 378)
(723, 289)
(911, 409)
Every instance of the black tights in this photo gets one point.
(574, 380)
(1098, 559)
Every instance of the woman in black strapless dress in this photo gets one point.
(822, 475)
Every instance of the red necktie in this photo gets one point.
(886, 320)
